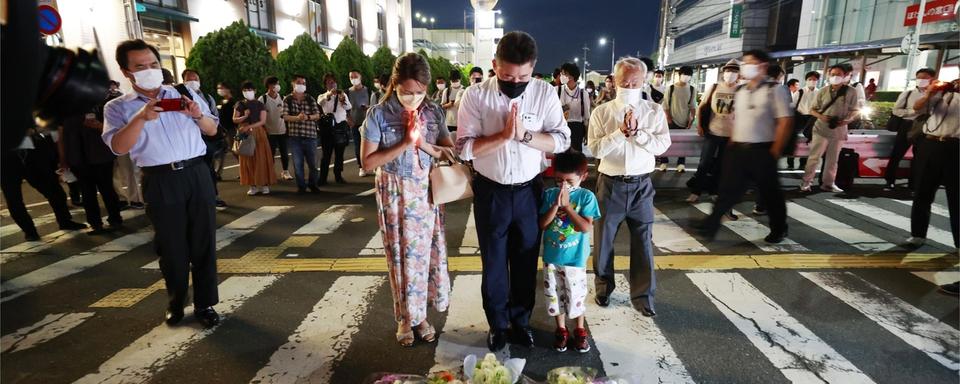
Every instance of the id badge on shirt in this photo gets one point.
(531, 121)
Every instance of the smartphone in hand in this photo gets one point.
(169, 105)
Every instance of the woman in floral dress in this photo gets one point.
(402, 137)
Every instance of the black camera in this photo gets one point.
(834, 122)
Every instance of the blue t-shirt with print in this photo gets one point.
(562, 244)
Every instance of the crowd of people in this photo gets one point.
(506, 126)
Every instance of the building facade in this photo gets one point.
(456, 45)
(175, 25)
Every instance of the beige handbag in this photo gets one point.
(450, 181)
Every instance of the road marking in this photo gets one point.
(936, 209)
(327, 221)
(246, 224)
(630, 344)
(939, 277)
(795, 350)
(850, 235)
(368, 192)
(754, 232)
(28, 282)
(6, 212)
(374, 246)
(465, 331)
(149, 354)
(43, 331)
(324, 335)
(38, 221)
(128, 297)
(52, 239)
(470, 244)
(347, 161)
(924, 332)
(893, 219)
(669, 237)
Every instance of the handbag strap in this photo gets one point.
(841, 92)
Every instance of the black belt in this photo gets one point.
(505, 186)
(629, 178)
(174, 166)
(941, 138)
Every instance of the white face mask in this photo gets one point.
(249, 95)
(192, 85)
(441, 86)
(276, 88)
(811, 84)
(684, 78)
(629, 96)
(355, 81)
(564, 79)
(411, 102)
(923, 83)
(299, 88)
(222, 92)
(148, 79)
(589, 90)
(749, 71)
(837, 80)
(730, 77)
(377, 86)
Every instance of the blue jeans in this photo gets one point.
(304, 147)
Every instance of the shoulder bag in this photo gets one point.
(894, 123)
(451, 181)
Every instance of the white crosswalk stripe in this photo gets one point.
(795, 350)
(465, 330)
(55, 238)
(322, 338)
(670, 237)
(328, 221)
(632, 344)
(43, 331)
(939, 277)
(931, 336)
(893, 219)
(38, 221)
(850, 235)
(374, 245)
(936, 209)
(754, 232)
(149, 354)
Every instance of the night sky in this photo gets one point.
(562, 27)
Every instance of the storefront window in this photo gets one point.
(163, 35)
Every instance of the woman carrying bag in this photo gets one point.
(250, 115)
(403, 136)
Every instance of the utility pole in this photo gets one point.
(585, 63)
(914, 50)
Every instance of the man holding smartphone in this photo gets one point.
(177, 188)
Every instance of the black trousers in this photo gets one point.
(937, 164)
(279, 142)
(94, 178)
(356, 145)
(216, 149)
(509, 237)
(37, 168)
(743, 163)
(577, 132)
(680, 160)
(181, 207)
(799, 123)
(331, 148)
(900, 146)
(709, 169)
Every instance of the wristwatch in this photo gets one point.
(527, 137)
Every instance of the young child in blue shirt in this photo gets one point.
(566, 218)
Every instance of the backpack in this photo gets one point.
(582, 107)
(692, 92)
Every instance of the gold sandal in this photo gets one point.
(405, 338)
(427, 333)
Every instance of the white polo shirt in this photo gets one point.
(757, 111)
(483, 112)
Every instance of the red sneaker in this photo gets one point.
(580, 340)
(560, 339)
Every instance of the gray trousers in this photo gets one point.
(630, 200)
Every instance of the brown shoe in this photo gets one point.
(560, 339)
(580, 340)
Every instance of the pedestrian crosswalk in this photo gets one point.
(326, 341)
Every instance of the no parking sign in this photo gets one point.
(49, 19)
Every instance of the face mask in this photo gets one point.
(837, 80)
(811, 83)
(276, 88)
(377, 86)
(411, 102)
(441, 86)
(684, 78)
(299, 88)
(148, 79)
(511, 89)
(629, 96)
(749, 71)
(730, 77)
(564, 79)
(249, 95)
(355, 81)
(222, 92)
(923, 83)
(589, 90)
(455, 84)
(192, 85)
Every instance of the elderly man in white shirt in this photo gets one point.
(627, 134)
(505, 124)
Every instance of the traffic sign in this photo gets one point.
(49, 19)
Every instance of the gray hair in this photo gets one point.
(629, 62)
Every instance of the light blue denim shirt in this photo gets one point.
(385, 127)
(172, 137)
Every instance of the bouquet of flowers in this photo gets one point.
(443, 377)
(394, 378)
(571, 375)
(490, 371)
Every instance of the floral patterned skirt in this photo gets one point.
(415, 245)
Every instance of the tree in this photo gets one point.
(232, 55)
(306, 58)
(348, 57)
(439, 67)
(382, 61)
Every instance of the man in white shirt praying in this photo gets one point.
(505, 124)
(627, 134)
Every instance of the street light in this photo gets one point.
(613, 50)
(417, 15)
(603, 41)
(576, 59)
(500, 21)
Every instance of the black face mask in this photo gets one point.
(477, 80)
(511, 89)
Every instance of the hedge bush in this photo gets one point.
(348, 57)
(382, 61)
(304, 57)
(232, 55)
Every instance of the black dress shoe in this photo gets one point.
(602, 301)
(775, 238)
(341, 180)
(315, 189)
(96, 231)
(207, 316)
(31, 236)
(72, 226)
(174, 316)
(648, 312)
(523, 336)
(496, 340)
